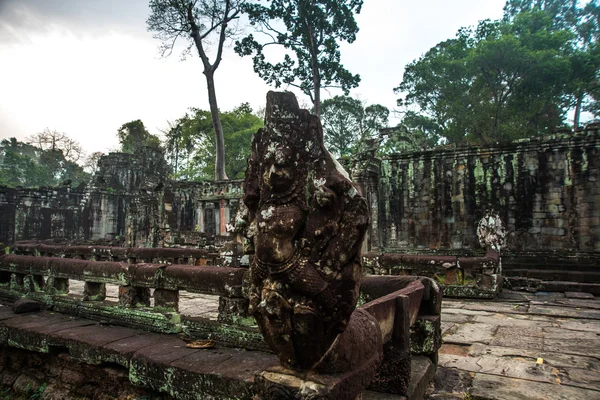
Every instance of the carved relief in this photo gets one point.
(306, 223)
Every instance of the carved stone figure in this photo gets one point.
(306, 222)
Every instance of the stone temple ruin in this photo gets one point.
(303, 281)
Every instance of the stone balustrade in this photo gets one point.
(131, 255)
(475, 277)
(46, 279)
(407, 308)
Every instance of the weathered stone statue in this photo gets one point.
(306, 221)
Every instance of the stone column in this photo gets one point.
(217, 220)
(200, 217)
(223, 216)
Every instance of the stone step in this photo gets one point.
(160, 362)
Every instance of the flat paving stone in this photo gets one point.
(510, 367)
(579, 325)
(85, 343)
(471, 333)
(564, 312)
(514, 321)
(578, 295)
(446, 327)
(546, 347)
(583, 347)
(518, 342)
(456, 316)
(547, 295)
(465, 312)
(493, 387)
(121, 351)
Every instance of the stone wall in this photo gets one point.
(193, 214)
(130, 200)
(546, 191)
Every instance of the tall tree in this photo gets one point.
(51, 140)
(311, 30)
(498, 82)
(23, 164)
(347, 123)
(196, 137)
(198, 21)
(583, 20)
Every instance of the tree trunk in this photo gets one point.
(577, 116)
(317, 97)
(219, 140)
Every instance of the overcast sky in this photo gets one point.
(85, 67)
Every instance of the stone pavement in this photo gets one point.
(520, 346)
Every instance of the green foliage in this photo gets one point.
(133, 135)
(416, 132)
(23, 164)
(191, 143)
(310, 32)
(201, 23)
(347, 124)
(505, 79)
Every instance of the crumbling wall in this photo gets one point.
(545, 190)
(46, 213)
(7, 214)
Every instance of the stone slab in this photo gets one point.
(524, 368)
(581, 325)
(219, 372)
(34, 333)
(556, 359)
(421, 374)
(492, 387)
(471, 333)
(121, 351)
(85, 343)
(579, 295)
(514, 321)
(564, 312)
(582, 347)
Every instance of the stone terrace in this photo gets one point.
(520, 346)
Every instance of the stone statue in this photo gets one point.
(306, 222)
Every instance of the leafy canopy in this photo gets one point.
(347, 124)
(133, 135)
(190, 142)
(23, 164)
(497, 82)
(310, 32)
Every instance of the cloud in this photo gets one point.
(21, 18)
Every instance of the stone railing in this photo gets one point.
(476, 277)
(408, 310)
(46, 279)
(113, 253)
